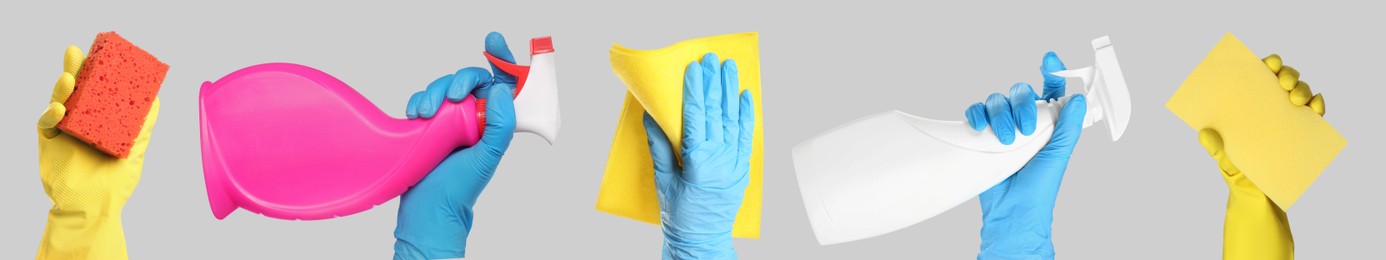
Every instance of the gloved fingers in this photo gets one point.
(62, 89)
(1070, 123)
(1212, 141)
(67, 82)
(500, 120)
(411, 109)
(1053, 85)
(694, 121)
(466, 80)
(662, 151)
(496, 46)
(49, 120)
(1288, 77)
(1273, 61)
(1316, 103)
(1000, 117)
(713, 104)
(747, 128)
(977, 116)
(72, 59)
(1023, 107)
(433, 96)
(1301, 94)
(731, 110)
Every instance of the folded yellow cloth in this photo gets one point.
(654, 80)
(1280, 146)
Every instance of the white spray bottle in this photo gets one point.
(891, 170)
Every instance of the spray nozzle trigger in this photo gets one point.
(1108, 98)
(1085, 73)
(520, 72)
(536, 111)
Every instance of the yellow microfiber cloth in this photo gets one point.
(1280, 146)
(654, 80)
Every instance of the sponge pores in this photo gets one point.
(115, 89)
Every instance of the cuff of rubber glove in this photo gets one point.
(426, 250)
(1036, 255)
(413, 246)
(1017, 246)
(1018, 236)
(70, 235)
(719, 249)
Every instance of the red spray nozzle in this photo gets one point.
(539, 45)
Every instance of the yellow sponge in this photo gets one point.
(1280, 146)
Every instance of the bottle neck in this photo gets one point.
(456, 123)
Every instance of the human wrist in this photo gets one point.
(714, 247)
(98, 236)
(1024, 232)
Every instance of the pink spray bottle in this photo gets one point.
(292, 142)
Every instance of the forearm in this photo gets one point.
(1255, 228)
(705, 232)
(1000, 241)
(94, 236)
(419, 236)
(716, 249)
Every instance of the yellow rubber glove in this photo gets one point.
(1255, 227)
(87, 187)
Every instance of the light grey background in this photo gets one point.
(1154, 195)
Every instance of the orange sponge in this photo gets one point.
(116, 87)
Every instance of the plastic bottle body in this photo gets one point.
(907, 169)
(888, 171)
(291, 142)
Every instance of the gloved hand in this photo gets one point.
(1053, 85)
(87, 187)
(698, 201)
(1020, 107)
(435, 215)
(1018, 212)
(1255, 228)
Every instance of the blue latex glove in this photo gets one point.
(435, 215)
(495, 45)
(1053, 85)
(698, 202)
(1006, 115)
(1018, 212)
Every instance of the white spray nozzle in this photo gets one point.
(536, 104)
(1108, 98)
